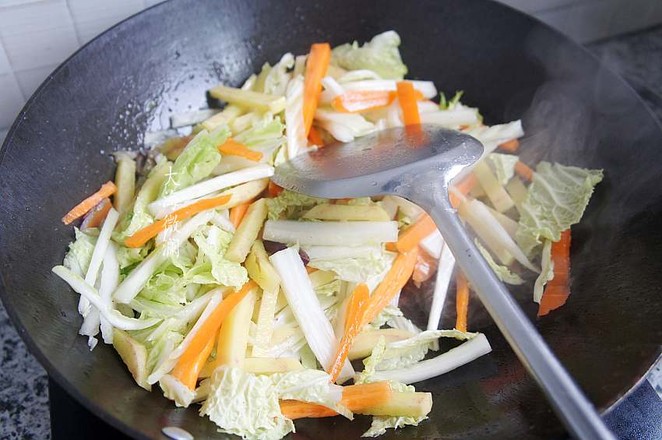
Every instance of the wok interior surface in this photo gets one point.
(131, 79)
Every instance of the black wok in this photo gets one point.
(129, 80)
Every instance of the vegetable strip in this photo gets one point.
(407, 100)
(233, 148)
(412, 236)
(462, 303)
(316, 66)
(145, 234)
(353, 319)
(558, 289)
(510, 146)
(524, 171)
(106, 190)
(187, 370)
(238, 212)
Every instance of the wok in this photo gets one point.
(129, 80)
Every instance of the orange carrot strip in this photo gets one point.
(238, 212)
(395, 279)
(316, 67)
(96, 215)
(353, 318)
(315, 138)
(424, 268)
(106, 190)
(188, 370)
(234, 148)
(191, 358)
(462, 303)
(355, 397)
(558, 288)
(273, 189)
(354, 101)
(148, 232)
(407, 99)
(464, 187)
(523, 170)
(410, 237)
(510, 146)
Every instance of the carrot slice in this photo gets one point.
(316, 67)
(148, 232)
(558, 288)
(393, 282)
(354, 397)
(510, 146)
(273, 189)
(187, 370)
(97, 215)
(106, 190)
(354, 101)
(192, 358)
(315, 138)
(353, 319)
(238, 212)
(233, 148)
(410, 237)
(462, 303)
(407, 100)
(424, 268)
(523, 170)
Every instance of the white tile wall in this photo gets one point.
(36, 35)
(91, 17)
(12, 99)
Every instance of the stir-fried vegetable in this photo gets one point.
(252, 300)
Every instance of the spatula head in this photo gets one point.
(377, 163)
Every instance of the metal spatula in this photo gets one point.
(418, 163)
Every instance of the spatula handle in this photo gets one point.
(574, 409)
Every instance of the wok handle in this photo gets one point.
(574, 409)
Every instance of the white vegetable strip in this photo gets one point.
(307, 309)
(330, 233)
(343, 126)
(98, 254)
(296, 131)
(115, 318)
(358, 75)
(110, 277)
(427, 88)
(209, 186)
(191, 118)
(451, 118)
(433, 244)
(139, 276)
(334, 252)
(443, 279)
(452, 359)
(222, 220)
(332, 86)
(491, 232)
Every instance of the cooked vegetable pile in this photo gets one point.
(259, 304)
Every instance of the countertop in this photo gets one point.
(24, 410)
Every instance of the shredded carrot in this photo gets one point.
(273, 189)
(148, 232)
(356, 398)
(412, 236)
(393, 282)
(461, 303)
(316, 67)
(558, 288)
(353, 319)
(354, 101)
(233, 148)
(408, 104)
(315, 138)
(424, 269)
(96, 215)
(191, 359)
(187, 370)
(238, 212)
(523, 171)
(391, 246)
(510, 146)
(106, 190)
